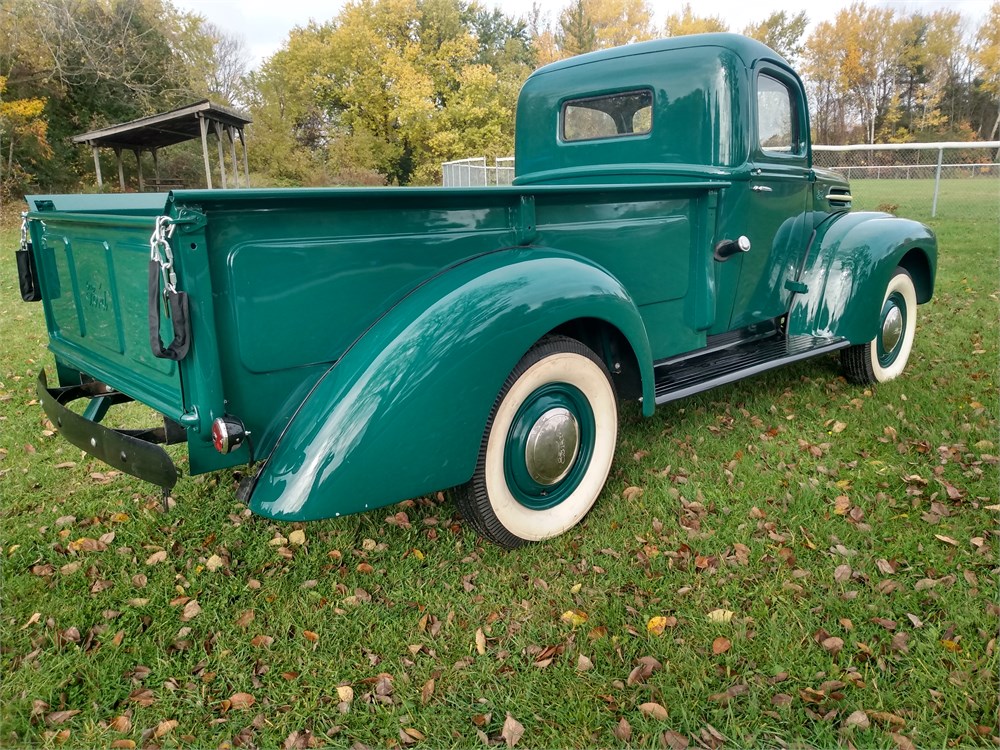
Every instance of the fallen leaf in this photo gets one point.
(653, 711)
(238, 701)
(656, 625)
(833, 644)
(261, 641)
(142, 696)
(165, 727)
(121, 724)
(946, 540)
(427, 691)
(842, 573)
(213, 563)
(721, 645)
(123, 744)
(345, 693)
(900, 643)
(732, 691)
(631, 493)
(156, 557)
(310, 636)
(643, 670)
(191, 610)
(902, 742)
(886, 718)
(583, 664)
(858, 719)
(574, 617)
(297, 537)
(674, 740)
(414, 735)
(58, 717)
(622, 730)
(32, 620)
(838, 427)
(245, 618)
(720, 615)
(512, 731)
(480, 641)
(841, 505)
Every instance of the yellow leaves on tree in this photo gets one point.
(23, 135)
(686, 22)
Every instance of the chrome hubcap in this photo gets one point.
(552, 446)
(892, 329)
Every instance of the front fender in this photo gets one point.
(849, 266)
(402, 413)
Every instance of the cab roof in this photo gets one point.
(749, 50)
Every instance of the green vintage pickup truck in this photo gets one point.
(666, 233)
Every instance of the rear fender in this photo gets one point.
(403, 411)
(849, 267)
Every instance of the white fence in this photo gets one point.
(475, 172)
(955, 178)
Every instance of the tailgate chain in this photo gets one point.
(161, 265)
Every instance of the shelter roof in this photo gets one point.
(164, 129)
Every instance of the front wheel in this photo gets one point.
(884, 357)
(547, 447)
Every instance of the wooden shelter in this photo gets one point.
(168, 128)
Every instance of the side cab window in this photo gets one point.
(780, 127)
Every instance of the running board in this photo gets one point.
(683, 377)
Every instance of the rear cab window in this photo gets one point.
(629, 113)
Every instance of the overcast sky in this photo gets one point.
(265, 24)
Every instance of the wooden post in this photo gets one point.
(97, 166)
(204, 150)
(121, 171)
(246, 164)
(138, 164)
(231, 131)
(222, 158)
(156, 165)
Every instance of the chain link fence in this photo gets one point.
(953, 180)
(475, 172)
(947, 179)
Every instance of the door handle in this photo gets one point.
(761, 189)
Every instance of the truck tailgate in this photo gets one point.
(93, 268)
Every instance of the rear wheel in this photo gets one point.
(884, 357)
(547, 447)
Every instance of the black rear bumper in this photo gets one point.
(135, 452)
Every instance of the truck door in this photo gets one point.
(777, 200)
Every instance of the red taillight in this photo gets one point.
(228, 434)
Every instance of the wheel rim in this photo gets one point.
(890, 339)
(549, 446)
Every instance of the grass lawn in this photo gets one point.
(787, 560)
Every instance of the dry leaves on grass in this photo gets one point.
(622, 730)
(165, 727)
(191, 610)
(241, 701)
(645, 666)
(512, 731)
(720, 616)
(653, 711)
(157, 557)
(721, 645)
(656, 625)
(574, 617)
